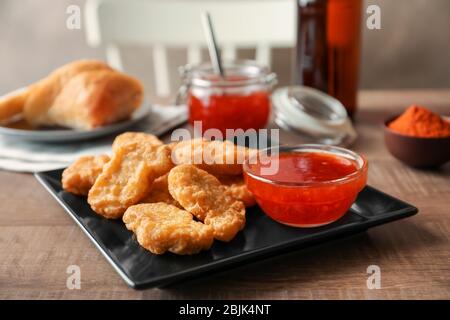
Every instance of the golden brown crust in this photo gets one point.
(235, 187)
(92, 99)
(135, 138)
(128, 176)
(114, 96)
(160, 227)
(202, 194)
(83, 95)
(159, 192)
(215, 157)
(11, 104)
(80, 176)
(42, 94)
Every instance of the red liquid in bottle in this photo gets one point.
(328, 48)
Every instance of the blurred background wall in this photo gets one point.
(412, 50)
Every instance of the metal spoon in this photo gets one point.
(213, 49)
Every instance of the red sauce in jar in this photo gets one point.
(230, 111)
(309, 189)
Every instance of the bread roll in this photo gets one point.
(82, 95)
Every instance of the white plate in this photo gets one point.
(61, 135)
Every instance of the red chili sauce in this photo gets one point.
(230, 111)
(309, 189)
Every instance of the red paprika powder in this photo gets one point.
(418, 121)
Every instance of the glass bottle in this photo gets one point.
(328, 48)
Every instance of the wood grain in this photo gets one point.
(38, 240)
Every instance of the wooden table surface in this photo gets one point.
(38, 240)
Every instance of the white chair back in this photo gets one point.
(163, 24)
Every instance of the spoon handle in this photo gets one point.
(213, 49)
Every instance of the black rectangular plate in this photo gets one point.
(261, 238)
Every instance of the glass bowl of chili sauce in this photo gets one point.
(309, 185)
(240, 100)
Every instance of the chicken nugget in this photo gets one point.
(235, 187)
(128, 176)
(216, 157)
(202, 194)
(159, 192)
(161, 227)
(134, 138)
(80, 176)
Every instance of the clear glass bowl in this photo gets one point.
(305, 203)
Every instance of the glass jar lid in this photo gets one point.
(313, 114)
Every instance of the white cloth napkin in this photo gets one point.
(25, 156)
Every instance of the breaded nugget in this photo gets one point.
(161, 227)
(128, 176)
(202, 194)
(80, 176)
(215, 157)
(159, 192)
(136, 137)
(235, 186)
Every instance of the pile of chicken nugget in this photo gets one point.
(177, 197)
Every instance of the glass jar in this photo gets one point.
(240, 100)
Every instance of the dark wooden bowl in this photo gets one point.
(414, 151)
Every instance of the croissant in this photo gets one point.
(82, 95)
